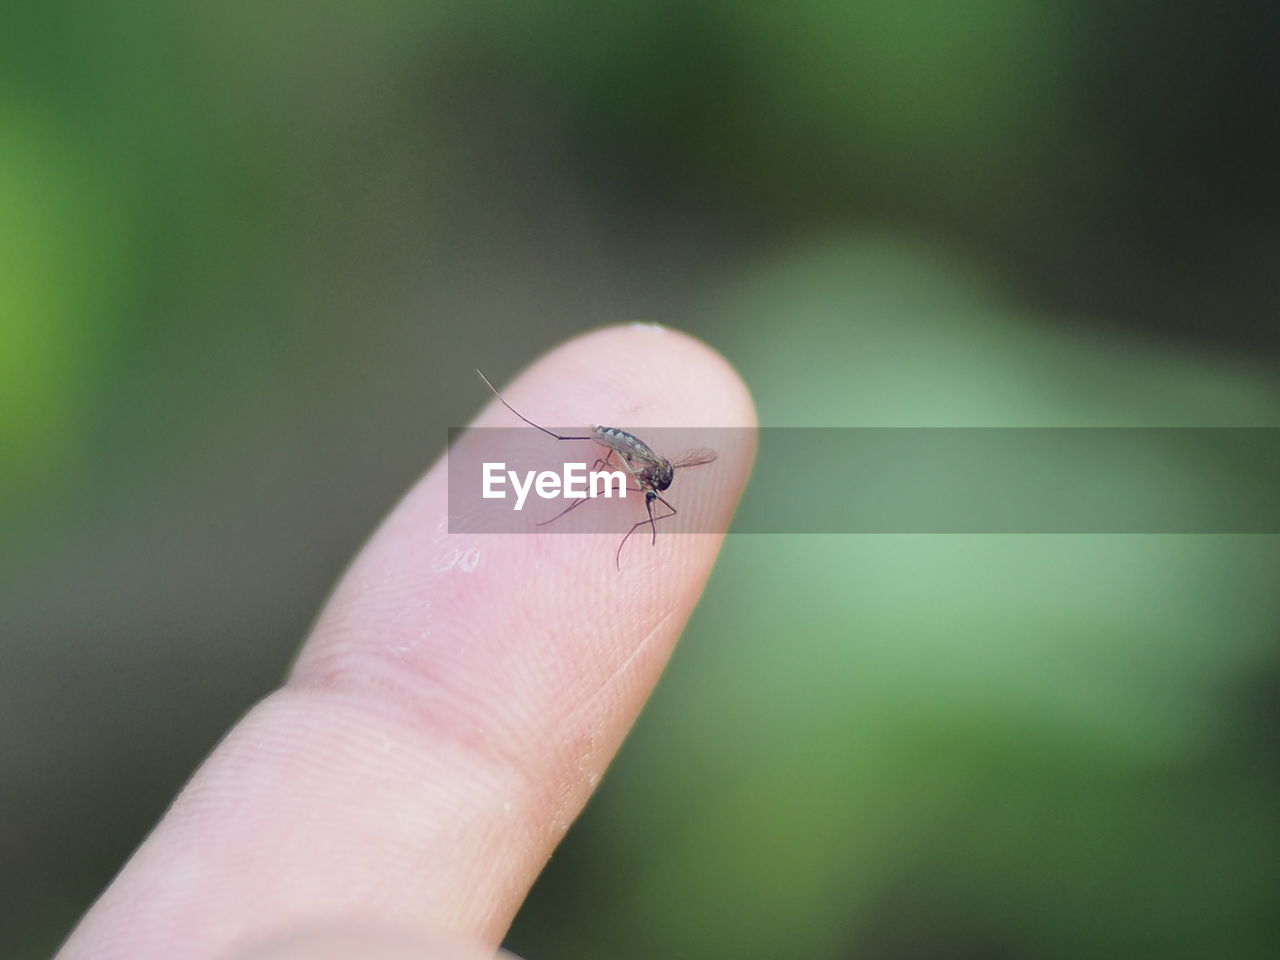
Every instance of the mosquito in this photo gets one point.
(652, 473)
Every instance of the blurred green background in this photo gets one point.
(250, 253)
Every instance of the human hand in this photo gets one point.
(447, 718)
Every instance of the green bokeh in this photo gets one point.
(249, 256)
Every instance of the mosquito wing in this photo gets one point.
(693, 458)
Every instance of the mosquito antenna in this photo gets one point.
(549, 433)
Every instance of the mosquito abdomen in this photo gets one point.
(627, 444)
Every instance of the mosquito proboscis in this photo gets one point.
(652, 472)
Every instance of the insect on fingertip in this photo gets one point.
(651, 471)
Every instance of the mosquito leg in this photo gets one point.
(550, 433)
(577, 503)
(651, 521)
(600, 462)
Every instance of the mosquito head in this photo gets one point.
(662, 475)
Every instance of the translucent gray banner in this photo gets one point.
(899, 480)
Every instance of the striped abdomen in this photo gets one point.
(649, 468)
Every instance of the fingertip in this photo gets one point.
(457, 701)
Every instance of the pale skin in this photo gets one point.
(452, 710)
